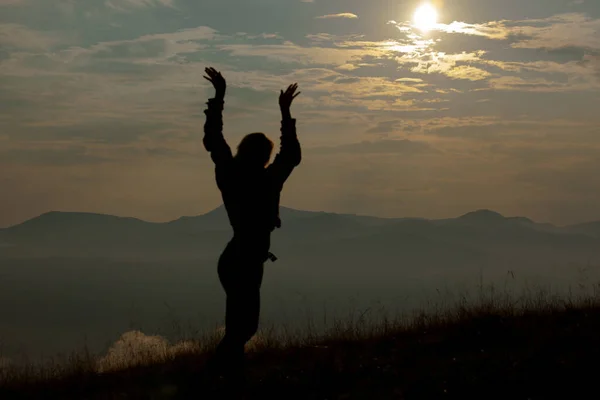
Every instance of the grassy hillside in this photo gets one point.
(533, 347)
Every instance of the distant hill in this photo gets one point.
(96, 273)
(87, 234)
(589, 228)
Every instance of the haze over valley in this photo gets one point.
(69, 279)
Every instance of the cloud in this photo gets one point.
(170, 44)
(340, 15)
(556, 133)
(349, 55)
(63, 155)
(402, 146)
(147, 51)
(310, 55)
(491, 30)
(515, 83)
(560, 31)
(97, 90)
(264, 35)
(19, 37)
(387, 127)
(468, 73)
(555, 32)
(573, 36)
(127, 5)
(447, 64)
(592, 61)
(413, 80)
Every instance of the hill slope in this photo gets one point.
(492, 351)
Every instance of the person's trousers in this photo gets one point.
(240, 269)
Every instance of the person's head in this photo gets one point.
(255, 150)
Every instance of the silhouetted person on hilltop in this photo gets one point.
(251, 190)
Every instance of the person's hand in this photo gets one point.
(286, 98)
(217, 81)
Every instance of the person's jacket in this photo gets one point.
(251, 196)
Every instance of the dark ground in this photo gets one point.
(481, 353)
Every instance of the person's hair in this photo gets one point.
(255, 149)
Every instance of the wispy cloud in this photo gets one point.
(561, 31)
(126, 5)
(340, 15)
(19, 37)
(403, 146)
(558, 31)
(11, 2)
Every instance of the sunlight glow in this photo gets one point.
(425, 17)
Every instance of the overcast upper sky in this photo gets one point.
(498, 107)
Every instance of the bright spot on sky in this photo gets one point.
(425, 17)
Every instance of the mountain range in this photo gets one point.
(70, 234)
(67, 276)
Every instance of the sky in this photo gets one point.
(497, 107)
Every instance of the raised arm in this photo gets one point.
(214, 142)
(290, 154)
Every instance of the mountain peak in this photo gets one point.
(482, 215)
(63, 218)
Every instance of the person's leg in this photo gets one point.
(227, 345)
(241, 281)
(251, 284)
(242, 316)
(251, 297)
(241, 273)
(231, 348)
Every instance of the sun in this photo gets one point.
(425, 17)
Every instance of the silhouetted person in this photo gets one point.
(251, 190)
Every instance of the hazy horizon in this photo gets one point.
(493, 108)
(295, 209)
(75, 277)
